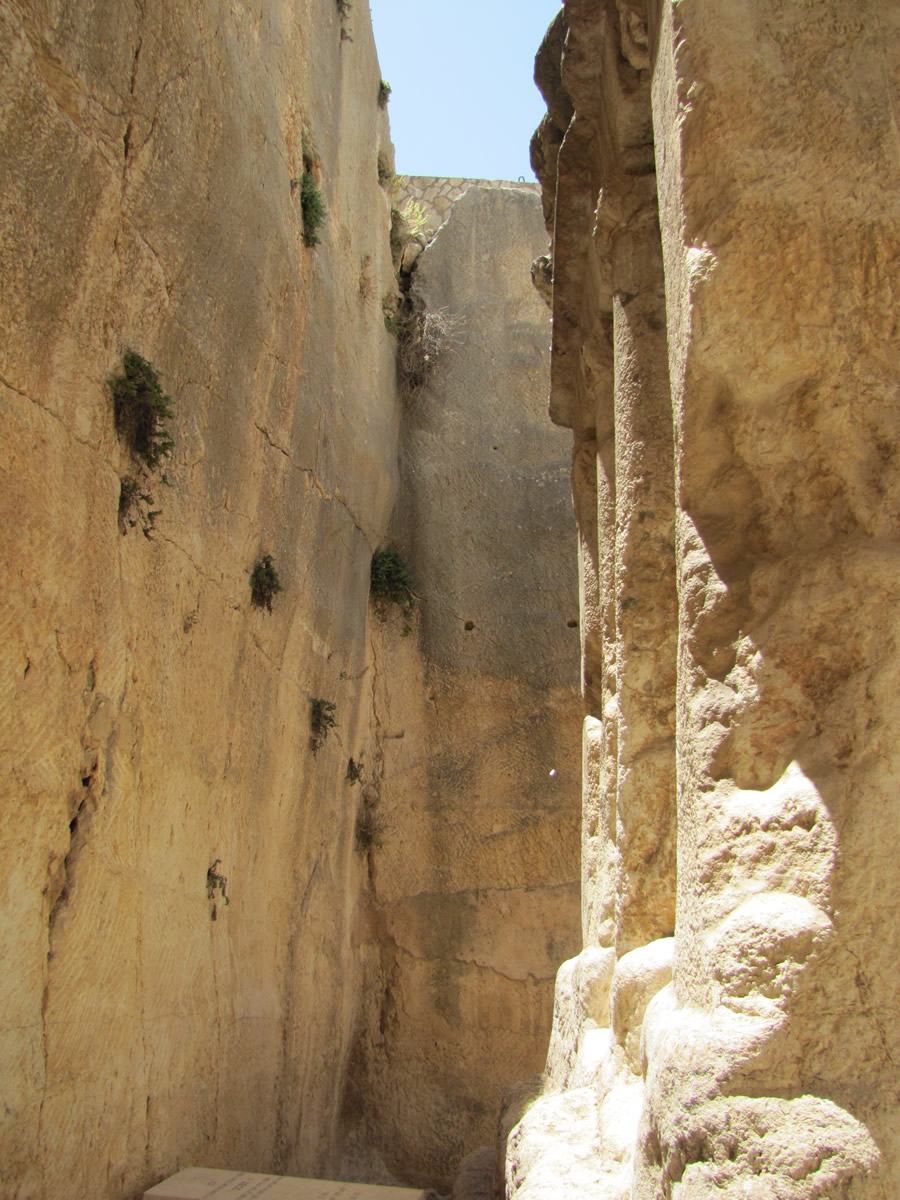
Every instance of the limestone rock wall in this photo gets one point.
(474, 879)
(720, 183)
(155, 724)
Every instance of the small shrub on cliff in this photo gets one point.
(370, 827)
(264, 583)
(140, 410)
(391, 583)
(312, 206)
(384, 91)
(321, 721)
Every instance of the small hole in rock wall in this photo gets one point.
(469, 626)
(573, 624)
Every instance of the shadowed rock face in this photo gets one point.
(725, 353)
(475, 889)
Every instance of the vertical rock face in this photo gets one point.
(195, 925)
(474, 882)
(156, 725)
(720, 183)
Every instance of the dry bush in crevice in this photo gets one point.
(134, 507)
(424, 338)
(371, 827)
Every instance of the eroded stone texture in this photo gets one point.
(475, 882)
(154, 723)
(767, 1067)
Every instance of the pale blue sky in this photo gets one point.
(464, 101)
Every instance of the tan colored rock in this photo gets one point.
(155, 724)
(475, 883)
(638, 976)
(745, 350)
(474, 1180)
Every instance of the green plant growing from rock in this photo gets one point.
(140, 410)
(312, 206)
(384, 92)
(264, 583)
(390, 582)
(322, 720)
(416, 218)
(354, 771)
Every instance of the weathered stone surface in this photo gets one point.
(153, 722)
(474, 1179)
(742, 347)
(475, 885)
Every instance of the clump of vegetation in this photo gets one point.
(391, 583)
(264, 583)
(424, 338)
(354, 771)
(215, 882)
(312, 206)
(384, 92)
(134, 507)
(416, 218)
(140, 409)
(370, 828)
(322, 720)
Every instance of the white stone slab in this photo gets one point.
(205, 1183)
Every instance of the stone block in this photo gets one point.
(204, 1183)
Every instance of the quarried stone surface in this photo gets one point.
(154, 724)
(475, 878)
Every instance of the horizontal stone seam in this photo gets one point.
(495, 891)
